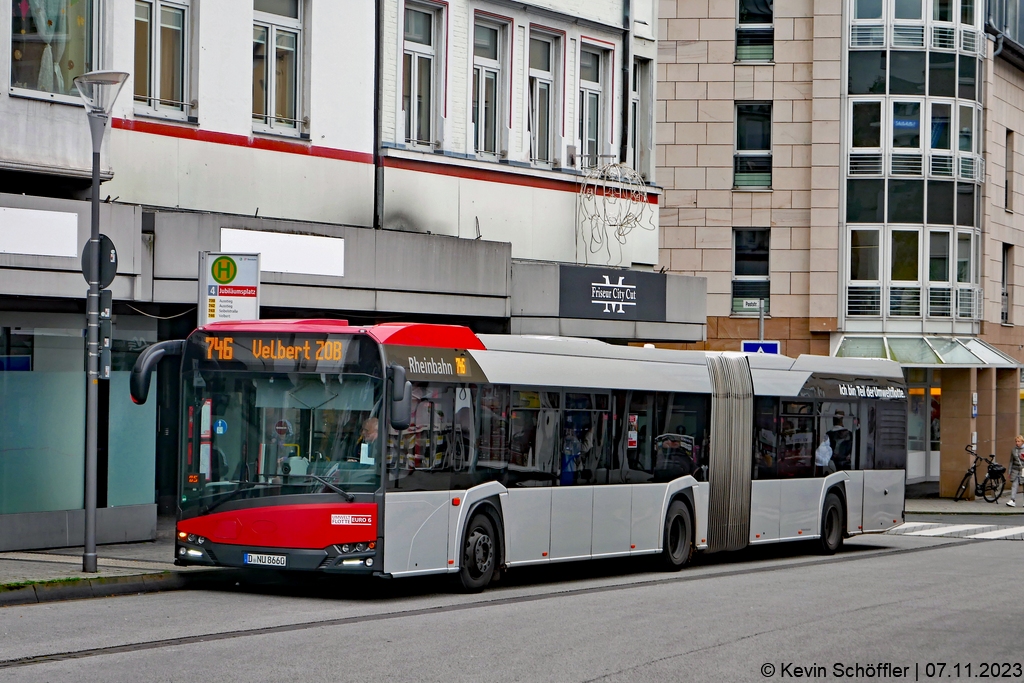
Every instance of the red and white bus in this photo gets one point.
(414, 449)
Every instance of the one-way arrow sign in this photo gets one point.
(761, 347)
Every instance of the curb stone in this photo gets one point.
(96, 588)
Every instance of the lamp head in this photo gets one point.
(99, 89)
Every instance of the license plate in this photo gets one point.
(268, 560)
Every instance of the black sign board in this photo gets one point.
(611, 294)
(108, 261)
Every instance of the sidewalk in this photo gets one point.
(946, 506)
(45, 575)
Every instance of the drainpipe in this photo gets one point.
(999, 45)
(378, 170)
(627, 92)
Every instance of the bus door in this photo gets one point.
(420, 462)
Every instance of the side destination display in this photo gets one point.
(424, 364)
(840, 387)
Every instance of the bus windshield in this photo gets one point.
(257, 427)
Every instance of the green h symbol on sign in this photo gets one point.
(224, 270)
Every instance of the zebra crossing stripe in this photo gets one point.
(914, 525)
(951, 529)
(1000, 533)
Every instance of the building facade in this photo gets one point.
(441, 151)
(843, 162)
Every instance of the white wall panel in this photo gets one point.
(42, 233)
(281, 252)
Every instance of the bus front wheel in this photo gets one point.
(831, 524)
(678, 545)
(479, 554)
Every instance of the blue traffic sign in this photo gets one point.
(220, 427)
(762, 347)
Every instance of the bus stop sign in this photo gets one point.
(761, 347)
(108, 261)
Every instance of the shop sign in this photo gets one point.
(229, 287)
(611, 294)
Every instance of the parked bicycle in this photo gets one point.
(993, 484)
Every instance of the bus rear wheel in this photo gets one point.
(479, 554)
(678, 543)
(831, 524)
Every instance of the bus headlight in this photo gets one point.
(191, 538)
(346, 548)
(360, 547)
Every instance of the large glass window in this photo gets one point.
(753, 160)
(906, 201)
(51, 44)
(487, 88)
(967, 78)
(965, 204)
(906, 125)
(275, 65)
(942, 10)
(591, 106)
(907, 9)
(904, 256)
(940, 202)
(941, 125)
(906, 73)
(867, 72)
(941, 74)
(161, 46)
(541, 120)
(938, 256)
(865, 201)
(868, 9)
(966, 129)
(867, 124)
(864, 255)
(418, 75)
(963, 258)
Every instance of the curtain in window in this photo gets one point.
(51, 23)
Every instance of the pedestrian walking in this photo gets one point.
(1016, 469)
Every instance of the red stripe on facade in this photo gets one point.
(490, 176)
(252, 142)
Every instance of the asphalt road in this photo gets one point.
(899, 600)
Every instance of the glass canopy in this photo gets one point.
(925, 351)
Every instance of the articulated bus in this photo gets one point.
(413, 449)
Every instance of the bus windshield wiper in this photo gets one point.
(334, 487)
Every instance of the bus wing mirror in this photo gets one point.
(142, 372)
(401, 399)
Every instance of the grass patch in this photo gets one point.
(15, 585)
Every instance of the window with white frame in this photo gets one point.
(752, 163)
(276, 61)
(591, 106)
(640, 117)
(418, 88)
(487, 89)
(51, 44)
(541, 121)
(161, 55)
(755, 31)
(751, 276)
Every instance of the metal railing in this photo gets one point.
(961, 303)
(1004, 315)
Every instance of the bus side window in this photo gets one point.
(584, 439)
(421, 457)
(796, 436)
(766, 427)
(533, 426)
(840, 425)
(680, 447)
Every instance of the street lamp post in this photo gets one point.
(98, 89)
